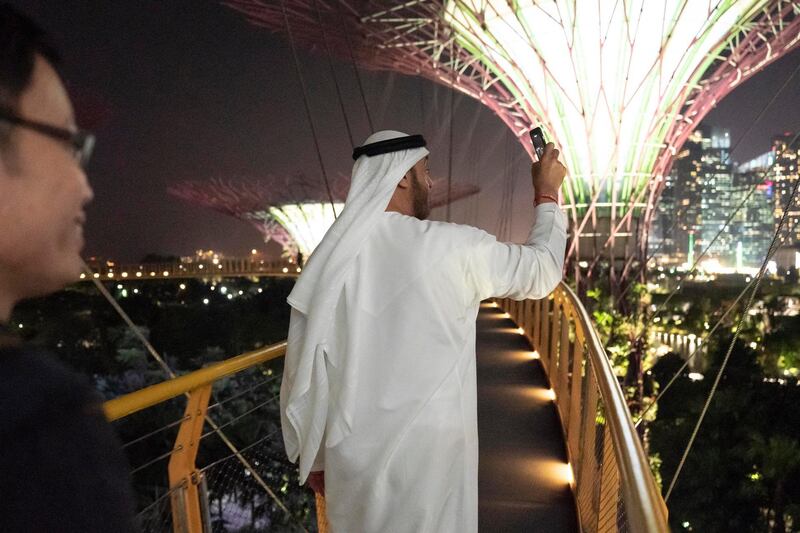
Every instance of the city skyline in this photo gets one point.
(722, 213)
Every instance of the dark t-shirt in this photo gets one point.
(61, 465)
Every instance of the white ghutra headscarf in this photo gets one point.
(305, 387)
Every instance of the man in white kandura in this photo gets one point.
(378, 398)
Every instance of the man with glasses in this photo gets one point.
(61, 467)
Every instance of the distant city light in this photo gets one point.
(695, 376)
(260, 291)
(254, 251)
(241, 292)
(96, 275)
(138, 274)
(135, 291)
(205, 301)
(83, 275)
(299, 269)
(223, 289)
(772, 268)
(119, 286)
(285, 270)
(124, 274)
(230, 297)
(182, 286)
(20, 326)
(166, 273)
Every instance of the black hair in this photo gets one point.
(20, 41)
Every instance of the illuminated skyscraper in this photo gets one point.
(619, 85)
(676, 228)
(716, 177)
(703, 191)
(754, 225)
(784, 174)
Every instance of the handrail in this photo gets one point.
(166, 390)
(637, 479)
(612, 471)
(188, 492)
(561, 333)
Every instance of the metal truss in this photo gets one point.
(453, 43)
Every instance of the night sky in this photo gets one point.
(187, 89)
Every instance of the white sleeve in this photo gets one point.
(520, 271)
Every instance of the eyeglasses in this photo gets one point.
(80, 142)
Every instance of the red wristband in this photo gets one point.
(539, 197)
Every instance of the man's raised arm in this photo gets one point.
(533, 269)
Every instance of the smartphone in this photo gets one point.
(537, 138)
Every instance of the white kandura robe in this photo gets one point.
(406, 325)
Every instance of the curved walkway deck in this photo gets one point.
(522, 487)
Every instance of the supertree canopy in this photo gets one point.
(292, 211)
(618, 85)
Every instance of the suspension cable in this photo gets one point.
(691, 356)
(333, 73)
(700, 257)
(356, 71)
(702, 342)
(752, 124)
(740, 324)
(127, 319)
(306, 105)
(215, 427)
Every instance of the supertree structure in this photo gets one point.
(290, 210)
(619, 85)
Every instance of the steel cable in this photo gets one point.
(742, 319)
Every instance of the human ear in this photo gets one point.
(405, 182)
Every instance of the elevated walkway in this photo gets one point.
(558, 451)
(522, 478)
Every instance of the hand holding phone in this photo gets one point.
(537, 138)
(548, 173)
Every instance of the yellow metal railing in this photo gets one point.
(186, 384)
(612, 481)
(185, 479)
(613, 484)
